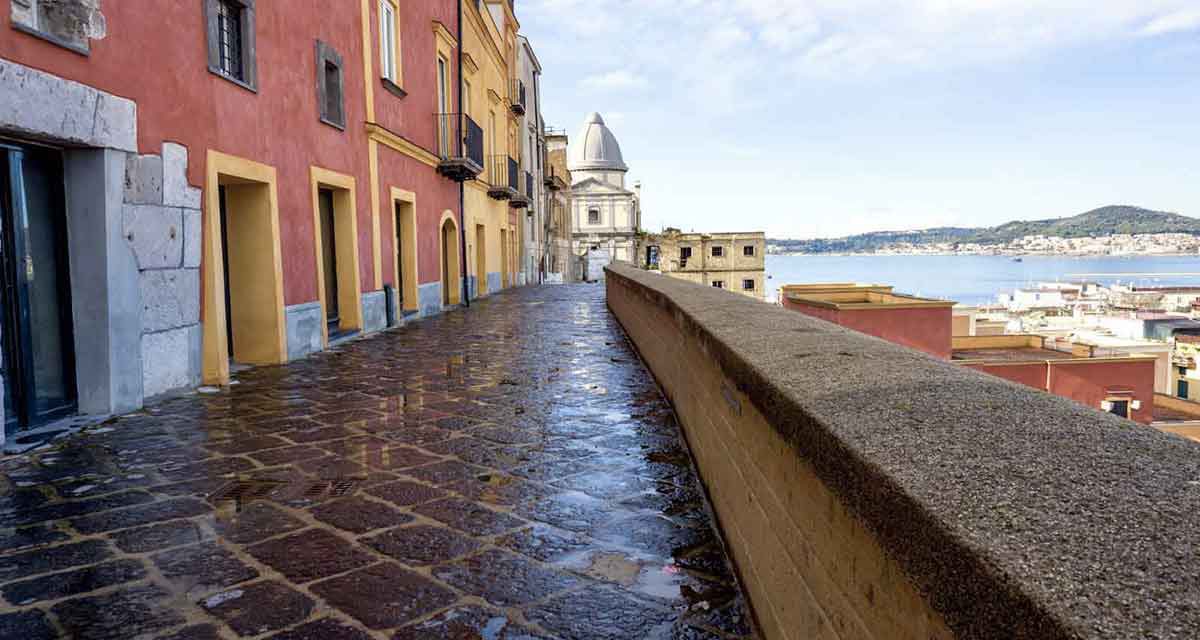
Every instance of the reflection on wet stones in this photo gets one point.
(397, 485)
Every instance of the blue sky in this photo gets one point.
(815, 118)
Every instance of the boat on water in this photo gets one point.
(1018, 259)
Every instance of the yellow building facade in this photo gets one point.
(493, 232)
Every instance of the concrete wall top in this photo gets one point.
(1016, 513)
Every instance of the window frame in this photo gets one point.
(327, 56)
(718, 251)
(718, 284)
(389, 49)
(685, 253)
(249, 57)
(752, 285)
(748, 251)
(596, 211)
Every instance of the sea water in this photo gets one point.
(974, 280)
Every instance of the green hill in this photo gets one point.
(1105, 221)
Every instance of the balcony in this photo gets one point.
(524, 197)
(553, 181)
(517, 97)
(502, 177)
(459, 147)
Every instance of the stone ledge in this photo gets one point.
(1015, 513)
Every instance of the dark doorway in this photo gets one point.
(329, 260)
(1120, 408)
(38, 336)
(221, 197)
(399, 225)
(1181, 389)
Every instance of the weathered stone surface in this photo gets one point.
(467, 622)
(176, 190)
(143, 179)
(359, 515)
(154, 234)
(26, 625)
(192, 238)
(40, 104)
(602, 614)
(140, 515)
(253, 522)
(504, 579)
(53, 559)
(155, 537)
(374, 307)
(33, 536)
(168, 361)
(429, 299)
(405, 493)
(170, 298)
(257, 608)
(310, 554)
(422, 544)
(61, 585)
(470, 517)
(304, 329)
(128, 613)
(384, 595)
(323, 629)
(203, 567)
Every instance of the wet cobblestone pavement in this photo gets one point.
(506, 472)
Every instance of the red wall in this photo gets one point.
(924, 329)
(1088, 382)
(159, 60)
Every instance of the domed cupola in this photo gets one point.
(595, 148)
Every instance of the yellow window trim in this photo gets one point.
(368, 71)
(346, 254)
(398, 49)
(267, 314)
(444, 34)
(469, 63)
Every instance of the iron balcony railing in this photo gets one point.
(501, 177)
(459, 140)
(517, 97)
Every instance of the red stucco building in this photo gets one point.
(219, 181)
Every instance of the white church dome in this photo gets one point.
(595, 148)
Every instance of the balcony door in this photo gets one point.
(38, 342)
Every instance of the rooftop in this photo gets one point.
(852, 297)
(1011, 354)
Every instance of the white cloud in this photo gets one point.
(619, 79)
(1172, 23)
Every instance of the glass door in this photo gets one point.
(39, 355)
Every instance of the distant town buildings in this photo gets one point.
(1115, 245)
(733, 261)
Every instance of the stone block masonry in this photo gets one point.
(161, 226)
(870, 491)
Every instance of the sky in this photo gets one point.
(823, 118)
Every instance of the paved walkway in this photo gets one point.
(508, 472)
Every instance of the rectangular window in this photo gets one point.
(593, 216)
(329, 86)
(685, 253)
(720, 284)
(748, 251)
(747, 285)
(230, 32)
(388, 65)
(229, 39)
(718, 252)
(443, 87)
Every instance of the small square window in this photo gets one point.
(718, 252)
(719, 284)
(329, 86)
(685, 253)
(389, 59)
(748, 251)
(593, 216)
(231, 40)
(747, 285)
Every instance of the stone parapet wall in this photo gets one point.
(869, 491)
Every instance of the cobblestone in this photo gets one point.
(509, 471)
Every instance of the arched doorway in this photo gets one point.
(451, 278)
